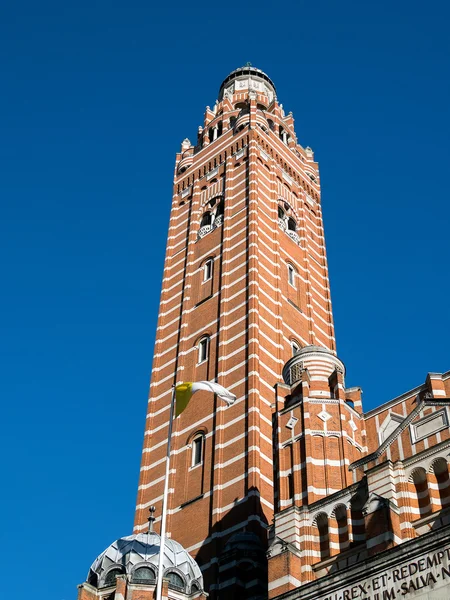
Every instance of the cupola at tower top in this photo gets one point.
(247, 79)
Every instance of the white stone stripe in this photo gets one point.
(223, 509)
(218, 487)
(156, 481)
(311, 490)
(208, 435)
(243, 455)
(236, 527)
(192, 426)
(285, 580)
(320, 462)
(206, 326)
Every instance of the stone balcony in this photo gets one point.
(293, 235)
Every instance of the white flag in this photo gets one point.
(184, 391)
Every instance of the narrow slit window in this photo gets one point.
(295, 348)
(197, 451)
(203, 350)
(291, 275)
(291, 485)
(207, 270)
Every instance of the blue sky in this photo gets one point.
(96, 98)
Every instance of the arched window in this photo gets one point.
(195, 588)
(324, 541)
(110, 578)
(203, 349)
(206, 219)
(197, 450)
(340, 514)
(291, 275)
(295, 347)
(357, 519)
(271, 124)
(440, 470)
(144, 575)
(175, 580)
(208, 269)
(419, 479)
(292, 225)
(280, 213)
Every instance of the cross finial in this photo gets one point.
(248, 64)
(151, 518)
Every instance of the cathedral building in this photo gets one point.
(292, 492)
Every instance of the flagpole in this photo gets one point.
(165, 501)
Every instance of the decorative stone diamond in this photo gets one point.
(353, 425)
(291, 423)
(324, 416)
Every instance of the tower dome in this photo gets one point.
(248, 78)
(137, 556)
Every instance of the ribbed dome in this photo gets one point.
(142, 550)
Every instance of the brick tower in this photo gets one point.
(291, 493)
(245, 288)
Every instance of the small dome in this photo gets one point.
(312, 348)
(138, 556)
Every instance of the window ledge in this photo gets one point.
(198, 304)
(294, 305)
(191, 501)
(431, 517)
(200, 464)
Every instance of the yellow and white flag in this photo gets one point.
(184, 391)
